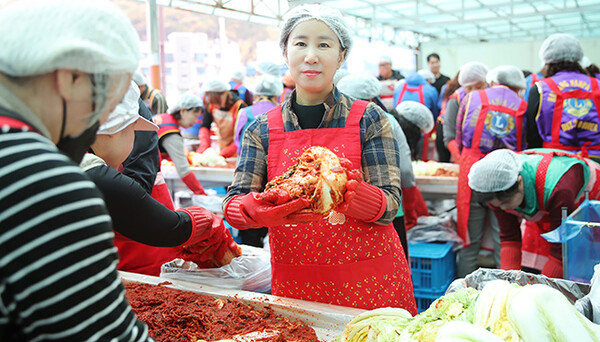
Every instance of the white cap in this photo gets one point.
(268, 68)
(238, 76)
(330, 16)
(385, 60)
(416, 113)
(472, 73)
(561, 47)
(268, 85)
(126, 113)
(41, 36)
(360, 86)
(138, 78)
(585, 62)
(217, 86)
(497, 171)
(511, 76)
(187, 101)
(427, 75)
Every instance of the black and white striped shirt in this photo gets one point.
(58, 277)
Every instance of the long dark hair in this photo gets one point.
(592, 70)
(451, 87)
(413, 135)
(554, 68)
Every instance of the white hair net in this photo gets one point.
(585, 62)
(472, 73)
(138, 78)
(268, 85)
(497, 171)
(491, 76)
(427, 75)
(40, 36)
(126, 113)
(510, 75)
(360, 86)
(238, 76)
(416, 113)
(188, 101)
(385, 60)
(331, 17)
(215, 86)
(561, 47)
(268, 68)
(341, 73)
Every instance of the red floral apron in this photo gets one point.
(337, 260)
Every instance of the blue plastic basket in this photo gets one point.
(433, 266)
(580, 236)
(425, 298)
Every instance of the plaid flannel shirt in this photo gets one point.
(380, 164)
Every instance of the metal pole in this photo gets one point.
(152, 33)
(564, 244)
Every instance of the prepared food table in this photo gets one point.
(328, 321)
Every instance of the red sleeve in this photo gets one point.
(510, 225)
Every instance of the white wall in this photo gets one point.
(523, 54)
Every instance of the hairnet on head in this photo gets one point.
(126, 113)
(416, 113)
(585, 62)
(138, 78)
(385, 60)
(510, 75)
(331, 17)
(472, 73)
(339, 74)
(491, 76)
(497, 171)
(427, 75)
(268, 85)
(561, 47)
(268, 68)
(215, 86)
(188, 101)
(238, 76)
(41, 36)
(360, 86)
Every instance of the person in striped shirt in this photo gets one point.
(64, 66)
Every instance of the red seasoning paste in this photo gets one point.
(174, 315)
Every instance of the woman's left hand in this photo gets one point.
(354, 180)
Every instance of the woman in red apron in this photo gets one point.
(350, 258)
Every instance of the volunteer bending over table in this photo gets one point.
(147, 226)
(183, 114)
(356, 260)
(58, 276)
(534, 184)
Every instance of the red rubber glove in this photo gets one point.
(453, 148)
(193, 184)
(354, 180)
(204, 136)
(207, 228)
(268, 209)
(409, 206)
(553, 268)
(420, 205)
(229, 151)
(510, 255)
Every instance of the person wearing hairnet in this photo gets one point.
(531, 80)
(490, 119)
(184, 114)
(366, 87)
(223, 109)
(288, 86)
(144, 227)
(591, 68)
(267, 89)
(58, 270)
(329, 259)
(564, 107)
(415, 120)
(152, 98)
(416, 88)
(388, 78)
(268, 68)
(450, 91)
(237, 84)
(509, 183)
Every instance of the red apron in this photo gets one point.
(470, 156)
(337, 260)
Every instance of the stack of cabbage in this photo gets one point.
(500, 312)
